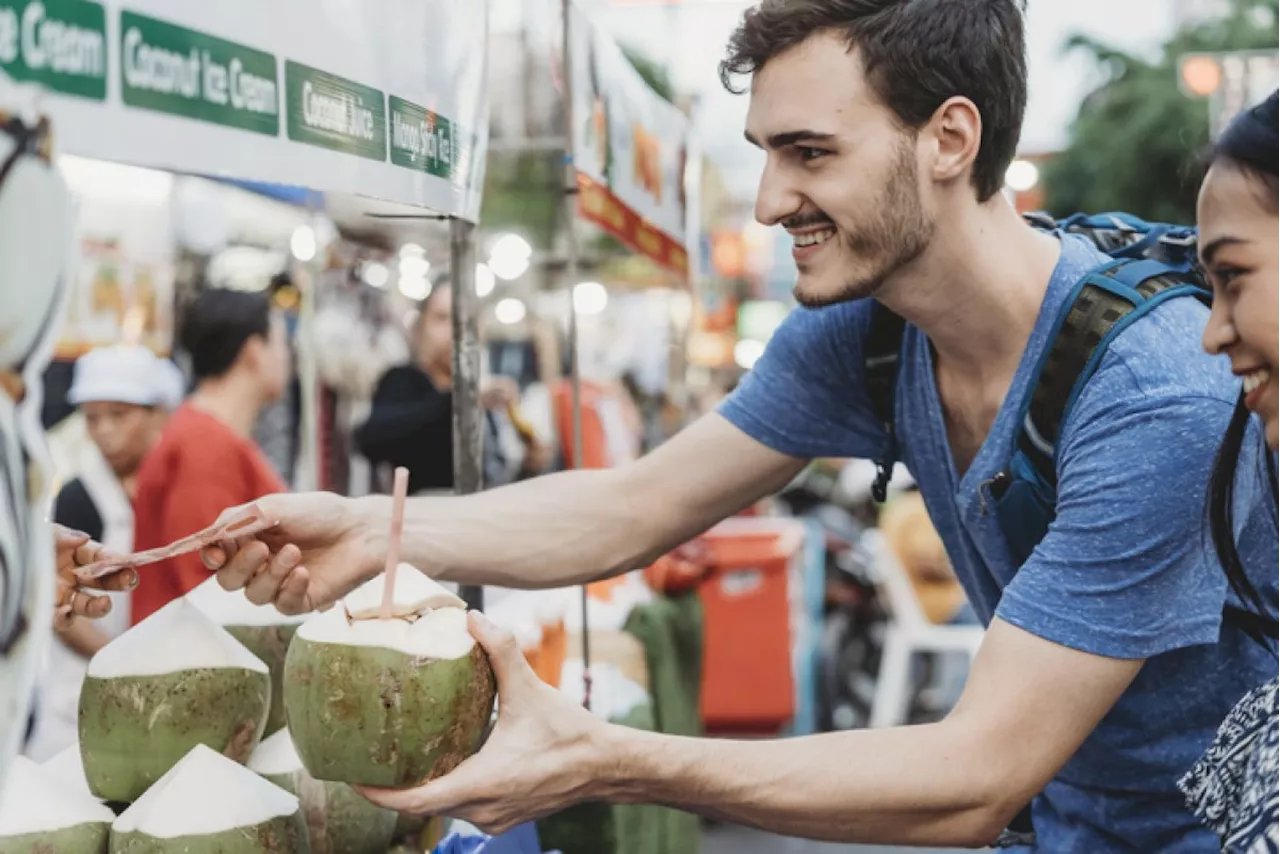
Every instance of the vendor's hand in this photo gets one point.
(74, 549)
(541, 757)
(322, 547)
(497, 392)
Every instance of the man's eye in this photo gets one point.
(807, 153)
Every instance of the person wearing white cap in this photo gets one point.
(125, 394)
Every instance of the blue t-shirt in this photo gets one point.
(1126, 569)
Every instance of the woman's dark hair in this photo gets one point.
(1249, 145)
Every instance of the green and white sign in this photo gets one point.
(422, 140)
(172, 69)
(333, 112)
(286, 91)
(61, 44)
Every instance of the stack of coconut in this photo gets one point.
(173, 713)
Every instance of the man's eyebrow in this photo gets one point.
(791, 137)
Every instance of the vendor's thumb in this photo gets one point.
(505, 656)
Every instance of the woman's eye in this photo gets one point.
(1226, 275)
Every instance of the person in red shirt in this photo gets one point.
(205, 460)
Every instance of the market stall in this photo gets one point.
(387, 106)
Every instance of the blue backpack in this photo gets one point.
(1148, 264)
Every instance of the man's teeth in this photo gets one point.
(1253, 380)
(813, 238)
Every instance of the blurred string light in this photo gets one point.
(414, 287)
(415, 266)
(484, 280)
(1021, 175)
(509, 311)
(590, 298)
(375, 275)
(302, 243)
(412, 250)
(509, 258)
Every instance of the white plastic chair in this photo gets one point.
(909, 631)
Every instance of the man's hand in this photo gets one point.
(541, 757)
(74, 549)
(321, 548)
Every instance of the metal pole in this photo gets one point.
(571, 275)
(468, 414)
(307, 476)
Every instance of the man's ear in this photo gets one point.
(956, 129)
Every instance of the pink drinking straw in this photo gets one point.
(393, 544)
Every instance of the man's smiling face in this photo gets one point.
(841, 175)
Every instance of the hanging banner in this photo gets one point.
(382, 98)
(631, 148)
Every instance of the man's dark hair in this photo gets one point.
(915, 54)
(216, 326)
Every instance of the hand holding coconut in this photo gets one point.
(73, 550)
(542, 756)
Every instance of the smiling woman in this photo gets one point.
(1232, 789)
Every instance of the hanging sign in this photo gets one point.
(631, 147)
(383, 98)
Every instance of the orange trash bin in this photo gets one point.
(748, 680)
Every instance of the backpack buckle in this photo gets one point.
(880, 486)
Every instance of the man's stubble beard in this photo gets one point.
(897, 236)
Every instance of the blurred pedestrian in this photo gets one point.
(125, 394)
(205, 457)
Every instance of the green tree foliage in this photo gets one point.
(1137, 141)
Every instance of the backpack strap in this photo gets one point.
(882, 357)
(1103, 304)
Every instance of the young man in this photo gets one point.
(1107, 664)
(125, 395)
(205, 458)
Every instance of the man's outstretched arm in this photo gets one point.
(551, 531)
(1028, 706)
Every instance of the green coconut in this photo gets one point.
(39, 815)
(261, 628)
(339, 820)
(410, 696)
(173, 681)
(209, 804)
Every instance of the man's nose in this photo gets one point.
(776, 199)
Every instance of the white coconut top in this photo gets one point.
(177, 637)
(205, 793)
(441, 633)
(276, 755)
(33, 802)
(67, 771)
(414, 593)
(231, 608)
